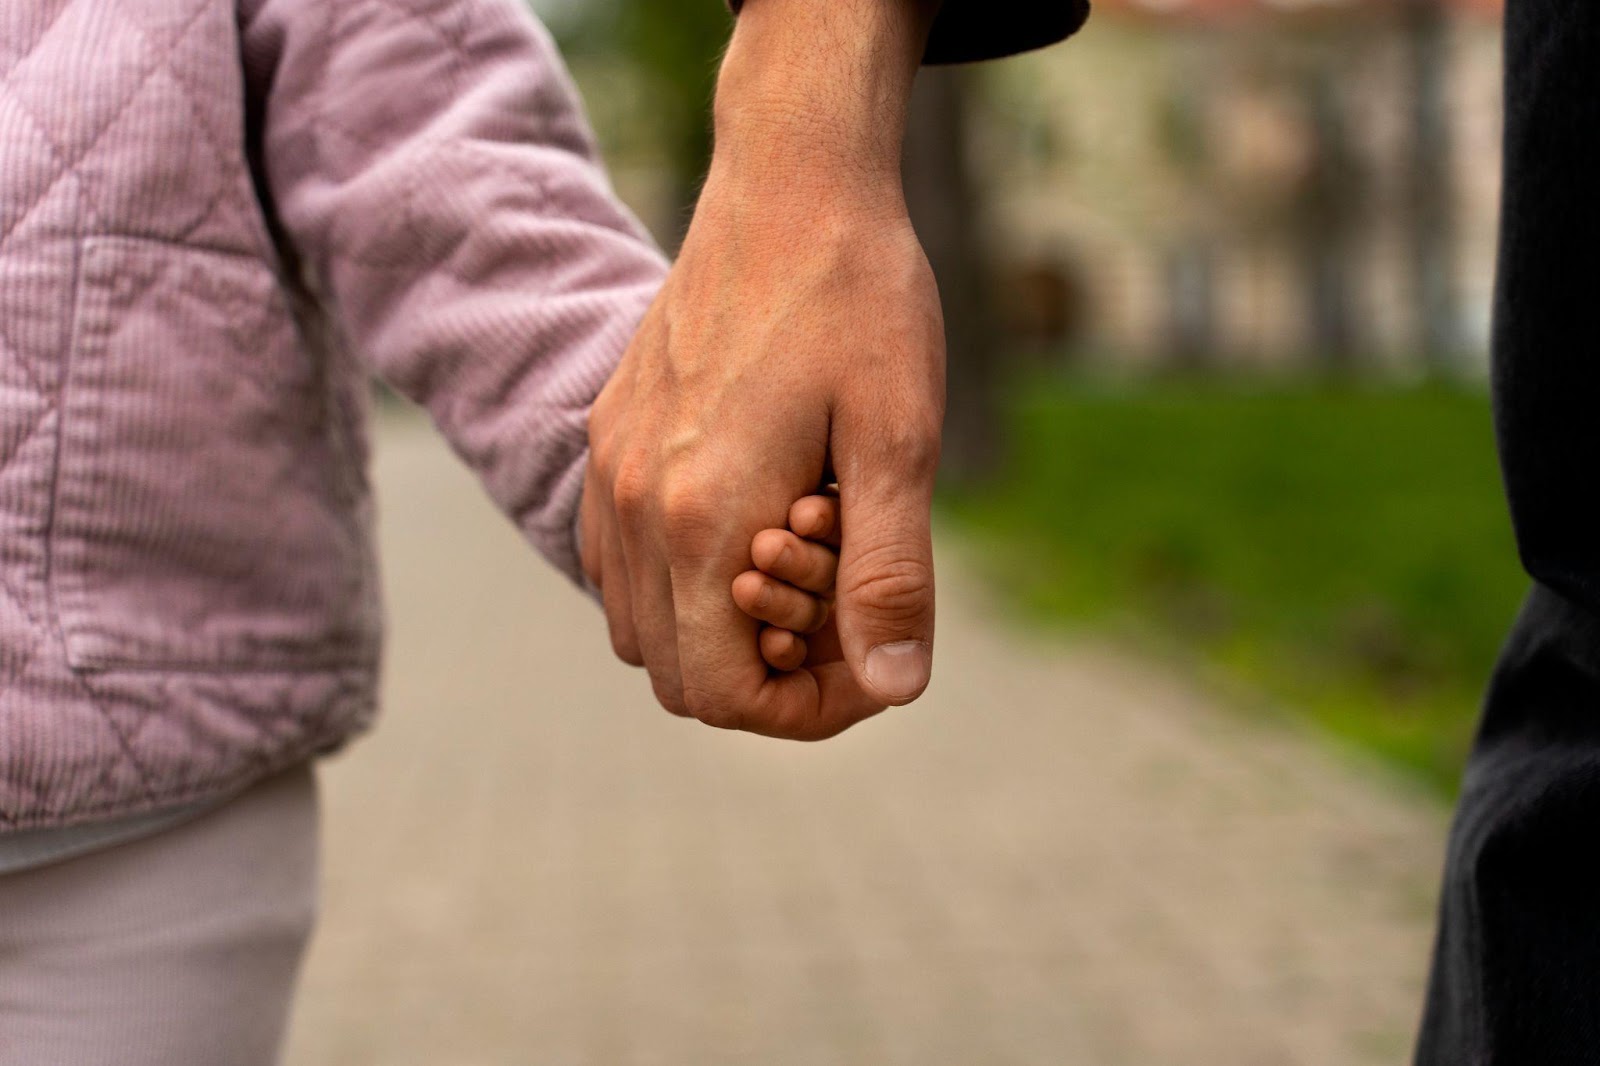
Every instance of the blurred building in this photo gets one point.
(1250, 181)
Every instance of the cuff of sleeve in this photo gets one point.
(555, 529)
(970, 30)
(581, 579)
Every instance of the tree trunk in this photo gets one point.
(1431, 188)
(1328, 219)
(944, 209)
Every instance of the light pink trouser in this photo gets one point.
(177, 950)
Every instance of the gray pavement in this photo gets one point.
(1062, 855)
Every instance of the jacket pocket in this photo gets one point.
(206, 515)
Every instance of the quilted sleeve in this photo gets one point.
(428, 164)
(970, 30)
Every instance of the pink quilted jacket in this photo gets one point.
(216, 217)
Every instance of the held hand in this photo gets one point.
(790, 346)
(792, 584)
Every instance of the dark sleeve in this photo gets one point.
(969, 30)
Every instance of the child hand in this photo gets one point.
(792, 588)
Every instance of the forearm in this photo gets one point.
(812, 96)
(466, 244)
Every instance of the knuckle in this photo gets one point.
(893, 589)
(918, 449)
(688, 506)
(630, 491)
(900, 436)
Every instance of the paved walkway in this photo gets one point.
(1061, 856)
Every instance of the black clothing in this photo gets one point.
(973, 29)
(1516, 974)
(969, 30)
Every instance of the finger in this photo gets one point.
(603, 564)
(777, 604)
(823, 645)
(885, 595)
(616, 596)
(654, 616)
(816, 518)
(727, 683)
(589, 547)
(812, 704)
(782, 649)
(802, 563)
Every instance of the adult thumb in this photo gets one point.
(885, 595)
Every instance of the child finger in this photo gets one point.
(778, 604)
(804, 564)
(781, 649)
(816, 518)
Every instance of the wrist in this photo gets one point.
(815, 94)
(781, 229)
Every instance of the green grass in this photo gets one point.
(1344, 551)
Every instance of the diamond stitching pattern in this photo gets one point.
(201, 125)
(43, 632)
(252, 730)
(24, 51)
(63, 169)
(64, 164)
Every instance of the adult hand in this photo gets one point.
(798, 340)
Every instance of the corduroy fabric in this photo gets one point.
(216, 218)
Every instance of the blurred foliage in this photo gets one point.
(1344, 551)
(673, 50)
